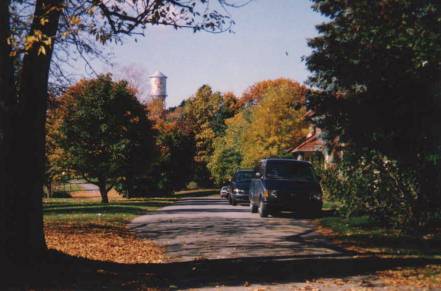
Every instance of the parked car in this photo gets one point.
(240, 185)
(285, 184)
(224, 191)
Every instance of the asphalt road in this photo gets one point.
(212, 245)
(210, 228)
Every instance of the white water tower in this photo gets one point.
(158, 85)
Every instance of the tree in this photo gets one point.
(269, 122)
(105, 134)
(277, 123)
(29, 30)
(205, 114)
(224, 162)
(175, 165)
(228, 149)
(255, 92)
(157, 112)
(54, 167)
(229, 105)
(376, 65)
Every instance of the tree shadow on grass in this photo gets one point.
(60, 271)
(61, 194)
(128, 207)
(361, 232)
(184, 194)
(133, 206)
(393, 245)
(373, 236)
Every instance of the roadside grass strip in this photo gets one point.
(364, 237)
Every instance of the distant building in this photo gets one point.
(315, 149)
(158, 85)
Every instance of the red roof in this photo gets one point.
(309, 114)
(312, 144)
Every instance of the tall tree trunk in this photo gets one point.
(103, 191)
(49, 189)
(22, 146)
(8, 100)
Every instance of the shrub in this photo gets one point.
(192, 185)
(372, 184)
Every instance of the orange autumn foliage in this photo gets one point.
(256, 92)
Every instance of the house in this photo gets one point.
(315, 149)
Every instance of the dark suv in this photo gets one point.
(285, 184)
(239, 186)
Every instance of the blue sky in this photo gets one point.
(265, 30)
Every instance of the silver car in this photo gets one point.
(224, 192)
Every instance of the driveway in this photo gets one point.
(210, 228)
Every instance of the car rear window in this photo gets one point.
(290, 170)
(244, 176)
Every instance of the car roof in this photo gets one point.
(244, 170)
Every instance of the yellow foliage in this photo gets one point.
(200, 111)
(270, 123)
(237, 127)
(41, 50)
(270, 127)
(75, 20)
(39, 39)
(277, 124)
(44, 21)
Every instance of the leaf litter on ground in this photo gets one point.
(102, 242)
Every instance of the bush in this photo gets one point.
(374, 185)
(192, 185)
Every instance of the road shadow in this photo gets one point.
(201, 210)
(60, 271)
(210, 228)
(299, 215)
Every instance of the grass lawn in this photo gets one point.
(119, 211)
(88, 229)
(361, 235)
(85, 211)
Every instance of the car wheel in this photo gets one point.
(253, 208)
(263, 209)
(233, 201)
